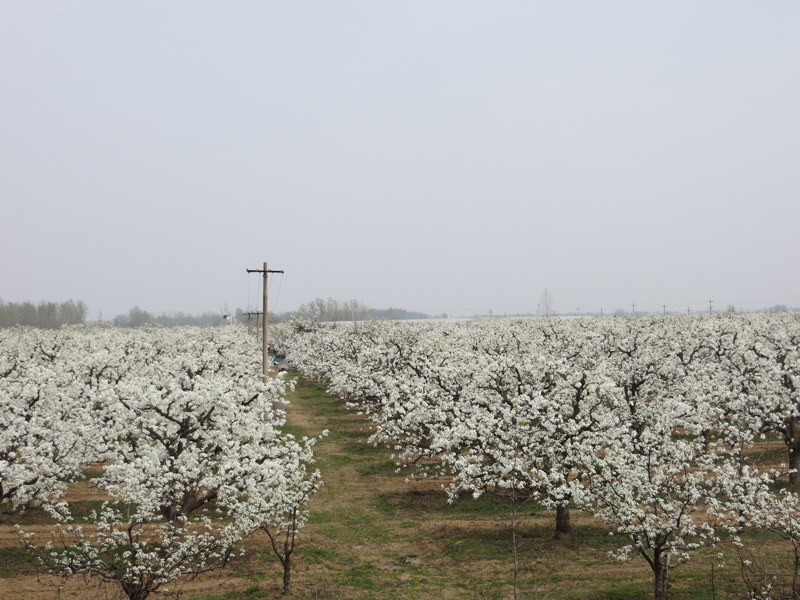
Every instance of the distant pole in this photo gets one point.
(264, 345)
(601, 312)
(633, 309)
(710, 306)
(257, 328)
(665, 309)
(688, 310)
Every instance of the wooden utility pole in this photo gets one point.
(264, 348)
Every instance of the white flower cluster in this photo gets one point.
(185, 429)
(45, 438)
(642, 421)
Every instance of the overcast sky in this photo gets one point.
(439, 156)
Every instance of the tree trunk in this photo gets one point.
(794, 464)
(790, 431)
(661, 570)
(134, 591)
(563, 525)
(287, 574)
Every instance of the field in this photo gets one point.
(372, 534)
(665, 446)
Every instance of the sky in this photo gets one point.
(452, 156)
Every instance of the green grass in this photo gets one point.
(617, 591)
(343, 515)
(14, 561)
(297, 432)
(317, 555)
(476, 545)
(250, 593)
(362, 449)
(494, 505)
(309, 391)
(359, 574)
(487, 505)
(29, 516)
(386, 467)
(86, 511)
(92, 473)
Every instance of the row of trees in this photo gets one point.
(648, 423)
(138, 317)
(332, 310)
(48, 315)
(185, 432)
(52, 315)
(319, 310)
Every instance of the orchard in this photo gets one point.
(183, 427)
(646, 423)
(649, 425)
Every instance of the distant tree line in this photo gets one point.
(333, 310)
(350, 310)
(317, 310)
(137, 317)
(52, 315)
(398, 314)
(47, 315)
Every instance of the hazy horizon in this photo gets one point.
(453, 157)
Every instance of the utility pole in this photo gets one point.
(633, 309)
(665, 309)
(710, 306)
(264, 352)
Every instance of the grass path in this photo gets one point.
(373, 534)
(366, 537)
